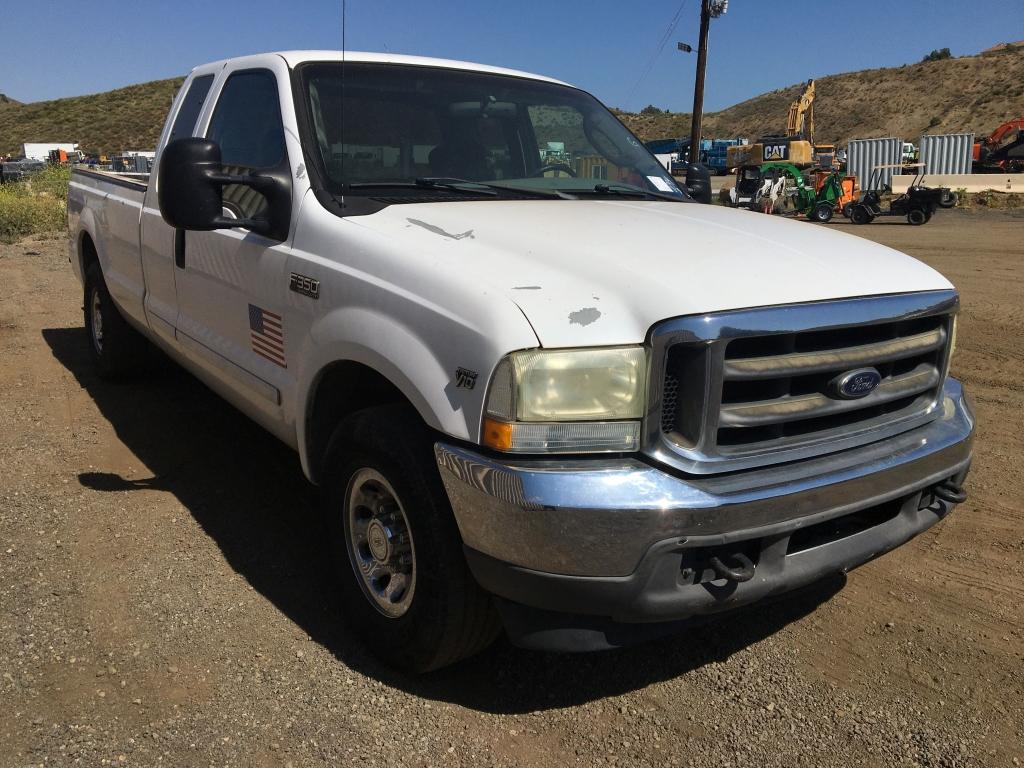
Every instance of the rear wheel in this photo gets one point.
(406, 589)
(847, 208)
(822, 212)
(860, 215)
(949, 198)
(117, 349)
(916, 217)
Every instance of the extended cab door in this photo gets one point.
(157, 238)
(231, 283)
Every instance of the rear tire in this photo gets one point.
(916, 217)
(405, 587)
(859, 215)
(117, 349)
(847, 208)
(949, 199)
(822, 212)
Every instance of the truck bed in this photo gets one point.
(109, 207)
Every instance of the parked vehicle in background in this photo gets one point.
(41, 151)
(1002, 151)
(546, 393)
(918, 203)
(13, 170)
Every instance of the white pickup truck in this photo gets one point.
(539, 386)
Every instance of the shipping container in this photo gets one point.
(864, 155)
(947, 153)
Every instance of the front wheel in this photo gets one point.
(822, 212)
(860, 215)
(406, 589)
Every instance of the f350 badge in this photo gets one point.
(307, 286)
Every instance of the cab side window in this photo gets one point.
(192, 105)
(247, 125)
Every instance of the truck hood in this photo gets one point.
(594, 272)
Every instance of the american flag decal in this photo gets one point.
(266, 335)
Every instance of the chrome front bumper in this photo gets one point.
(599, 517)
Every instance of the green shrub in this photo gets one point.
(35, 205)
(938, 55)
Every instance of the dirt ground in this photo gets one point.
(165, 597)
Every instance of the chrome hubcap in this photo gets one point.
(379, 543)
(96, 316)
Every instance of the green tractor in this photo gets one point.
(817, 206)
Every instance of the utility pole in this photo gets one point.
(709, 9)
(698, 85)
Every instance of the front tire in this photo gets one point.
(949, 199)
(405, 587)
(860, 215)
(117, 349)
(822, 212)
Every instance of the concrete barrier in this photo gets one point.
(972, 182)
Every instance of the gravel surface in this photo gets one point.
(165, 597)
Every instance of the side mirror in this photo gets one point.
(190, 186)
(698, 182)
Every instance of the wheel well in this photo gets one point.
(342, 389)
(87, 252)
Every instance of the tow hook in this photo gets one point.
(745, 571)
(950, 492)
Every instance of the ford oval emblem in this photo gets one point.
(853, 385)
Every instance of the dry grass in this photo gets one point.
(104, 123)
(967, 94)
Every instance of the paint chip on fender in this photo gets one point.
(584, 316)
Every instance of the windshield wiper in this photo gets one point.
(456, 185)
(462, 185)
(628, 190)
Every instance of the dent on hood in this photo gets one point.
(584, 316)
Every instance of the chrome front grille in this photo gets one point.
(740, 389)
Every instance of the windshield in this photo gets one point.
(385, 125)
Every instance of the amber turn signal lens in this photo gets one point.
(497, 434)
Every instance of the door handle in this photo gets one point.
(179, 248)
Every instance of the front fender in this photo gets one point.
(423, 372)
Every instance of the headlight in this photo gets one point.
(578, 400)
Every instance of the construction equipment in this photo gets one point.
(825, 156)
(762, 187)
(1002, 151)
(918, 203)
(800, 121)
(796, 147)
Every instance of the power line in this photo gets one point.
(661, 46)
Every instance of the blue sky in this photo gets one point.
(58, 48)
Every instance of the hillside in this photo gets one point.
(128, 118)
(971, 93)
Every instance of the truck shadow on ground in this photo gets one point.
(248, 493)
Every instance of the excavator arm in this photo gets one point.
(800, 122)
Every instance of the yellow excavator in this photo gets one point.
(796, 147)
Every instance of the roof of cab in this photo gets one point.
(294, 58)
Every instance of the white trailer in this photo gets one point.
(42, 151)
